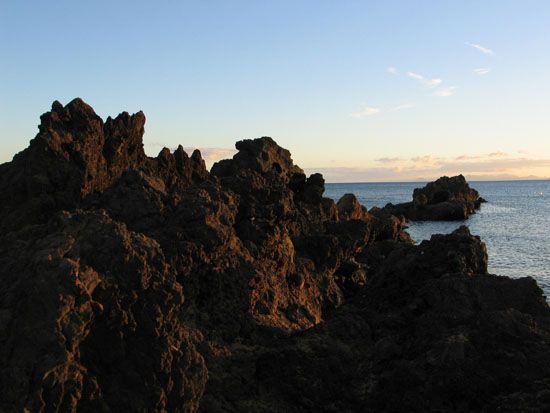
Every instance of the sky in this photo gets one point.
(358, 90)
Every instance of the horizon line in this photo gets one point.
(429, 180)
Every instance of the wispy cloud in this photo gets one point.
(482, 71)
(365, 112)
(426, 160)
(423, 80)
(484, 50)
(403, 106)
(415, 76)
(389, 160)
(467, 157)
(392, 70)
(448, 91)
(495, 165)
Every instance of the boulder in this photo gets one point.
(350, 208)
(446, 199)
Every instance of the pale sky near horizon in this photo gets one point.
(358, 90)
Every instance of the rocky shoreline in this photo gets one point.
(132, 283)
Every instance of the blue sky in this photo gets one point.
(359, 90)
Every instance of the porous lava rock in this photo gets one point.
(446, 199)
(132, 283)
(430, 331)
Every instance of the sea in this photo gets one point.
(514, 223)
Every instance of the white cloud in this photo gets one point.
(426, 160)
(389, 160)
(479, 47)
(425, 81)
(365, 112)
(429, 167)
(467, 157)
(416, 76)
(448, 91)
(434, 82)
(392, 70)
(404, 106)
(482, 71)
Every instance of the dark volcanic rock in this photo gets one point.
(431, 331)
(93, 320)
(446, 199)
(259, 155)
(132, 283)
(350, 208)
(76, 155)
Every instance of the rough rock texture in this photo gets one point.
(431, 331)
(132, 283)
(91, 319)
(446, 199)
(76, 155)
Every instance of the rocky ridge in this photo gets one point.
(132, 283)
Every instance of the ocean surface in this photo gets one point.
(514, 223)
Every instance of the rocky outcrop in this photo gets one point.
(431, 331)
(76, 155)
(132, 283)
(92, 321)
(446, 199)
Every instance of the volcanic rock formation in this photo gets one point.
(446, 199)
(132, 283)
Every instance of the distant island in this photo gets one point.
(133, 283)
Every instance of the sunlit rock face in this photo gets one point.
(132, 283)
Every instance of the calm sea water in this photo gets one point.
(514, 224)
